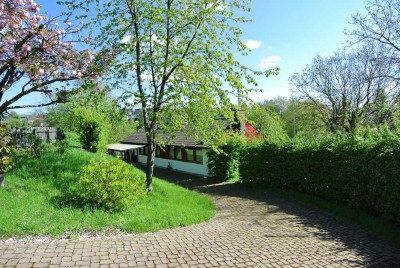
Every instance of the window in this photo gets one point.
(199, 156)
(158, 151)
(190, 155)
(171, 153)
(143, 151)
(178, 153)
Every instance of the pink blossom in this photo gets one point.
(23, 14)
(26, 48)
(10, 42)
(34, 8)
(19, 2)
(21, 35)
(13, 25)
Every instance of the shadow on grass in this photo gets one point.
(319, 223)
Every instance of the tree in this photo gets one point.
(94, 114)
(14, 120)
(298, 117)
(268, 123)
(381, 25)
(36, 54)
(346, 84)
(176, 59)
(303, 118)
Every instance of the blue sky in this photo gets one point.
(292, 33)
(284, 33)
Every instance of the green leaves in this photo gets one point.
(359, 170)
(111, 184)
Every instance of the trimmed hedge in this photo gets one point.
(360, 172)
(225, 163)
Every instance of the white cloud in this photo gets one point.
(253, 44)
(269, 62)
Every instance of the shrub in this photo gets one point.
(111, 184)
(62, 146)
(6, 148)
(224, 164)
(35, 144)
(88, 129)
(360, 170)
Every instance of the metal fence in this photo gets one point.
(46, 134)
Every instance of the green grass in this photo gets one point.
(377, 226)
(40, 198)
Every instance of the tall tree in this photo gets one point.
(36, 54)
(380, 25)
(268, 123)
(176, 59)
(14, 120)
(346, 84)
(298, 117)
(92, 104)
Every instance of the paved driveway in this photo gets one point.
(252, 228)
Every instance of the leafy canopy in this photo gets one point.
(175, 58)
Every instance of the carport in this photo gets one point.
(128, 152)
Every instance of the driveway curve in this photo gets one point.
(252, 228)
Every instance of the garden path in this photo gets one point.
(252, 228)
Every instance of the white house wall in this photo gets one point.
(189, 167)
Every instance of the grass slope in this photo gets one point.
(40, 199)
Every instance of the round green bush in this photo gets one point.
(111, 184)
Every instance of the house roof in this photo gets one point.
(179, 139)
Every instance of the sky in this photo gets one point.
(290, 33)
(286, 33)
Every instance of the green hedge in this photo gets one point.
(360, 171)
(224, 164)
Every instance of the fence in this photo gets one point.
(46, 134)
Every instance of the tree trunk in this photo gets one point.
(2, 180)
(150, 163)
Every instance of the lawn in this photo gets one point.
(40, 198)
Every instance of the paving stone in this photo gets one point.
(253, 228)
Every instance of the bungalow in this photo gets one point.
(182, 153)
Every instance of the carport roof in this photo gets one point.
(123, 147)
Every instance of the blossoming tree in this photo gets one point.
(36, 54)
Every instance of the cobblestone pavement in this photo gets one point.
(252, 228)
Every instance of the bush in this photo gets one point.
(6, 148)
(35, 145)
(62, 146)
(111, 184)
(360, 170)
(224, 164)
(88, 129)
